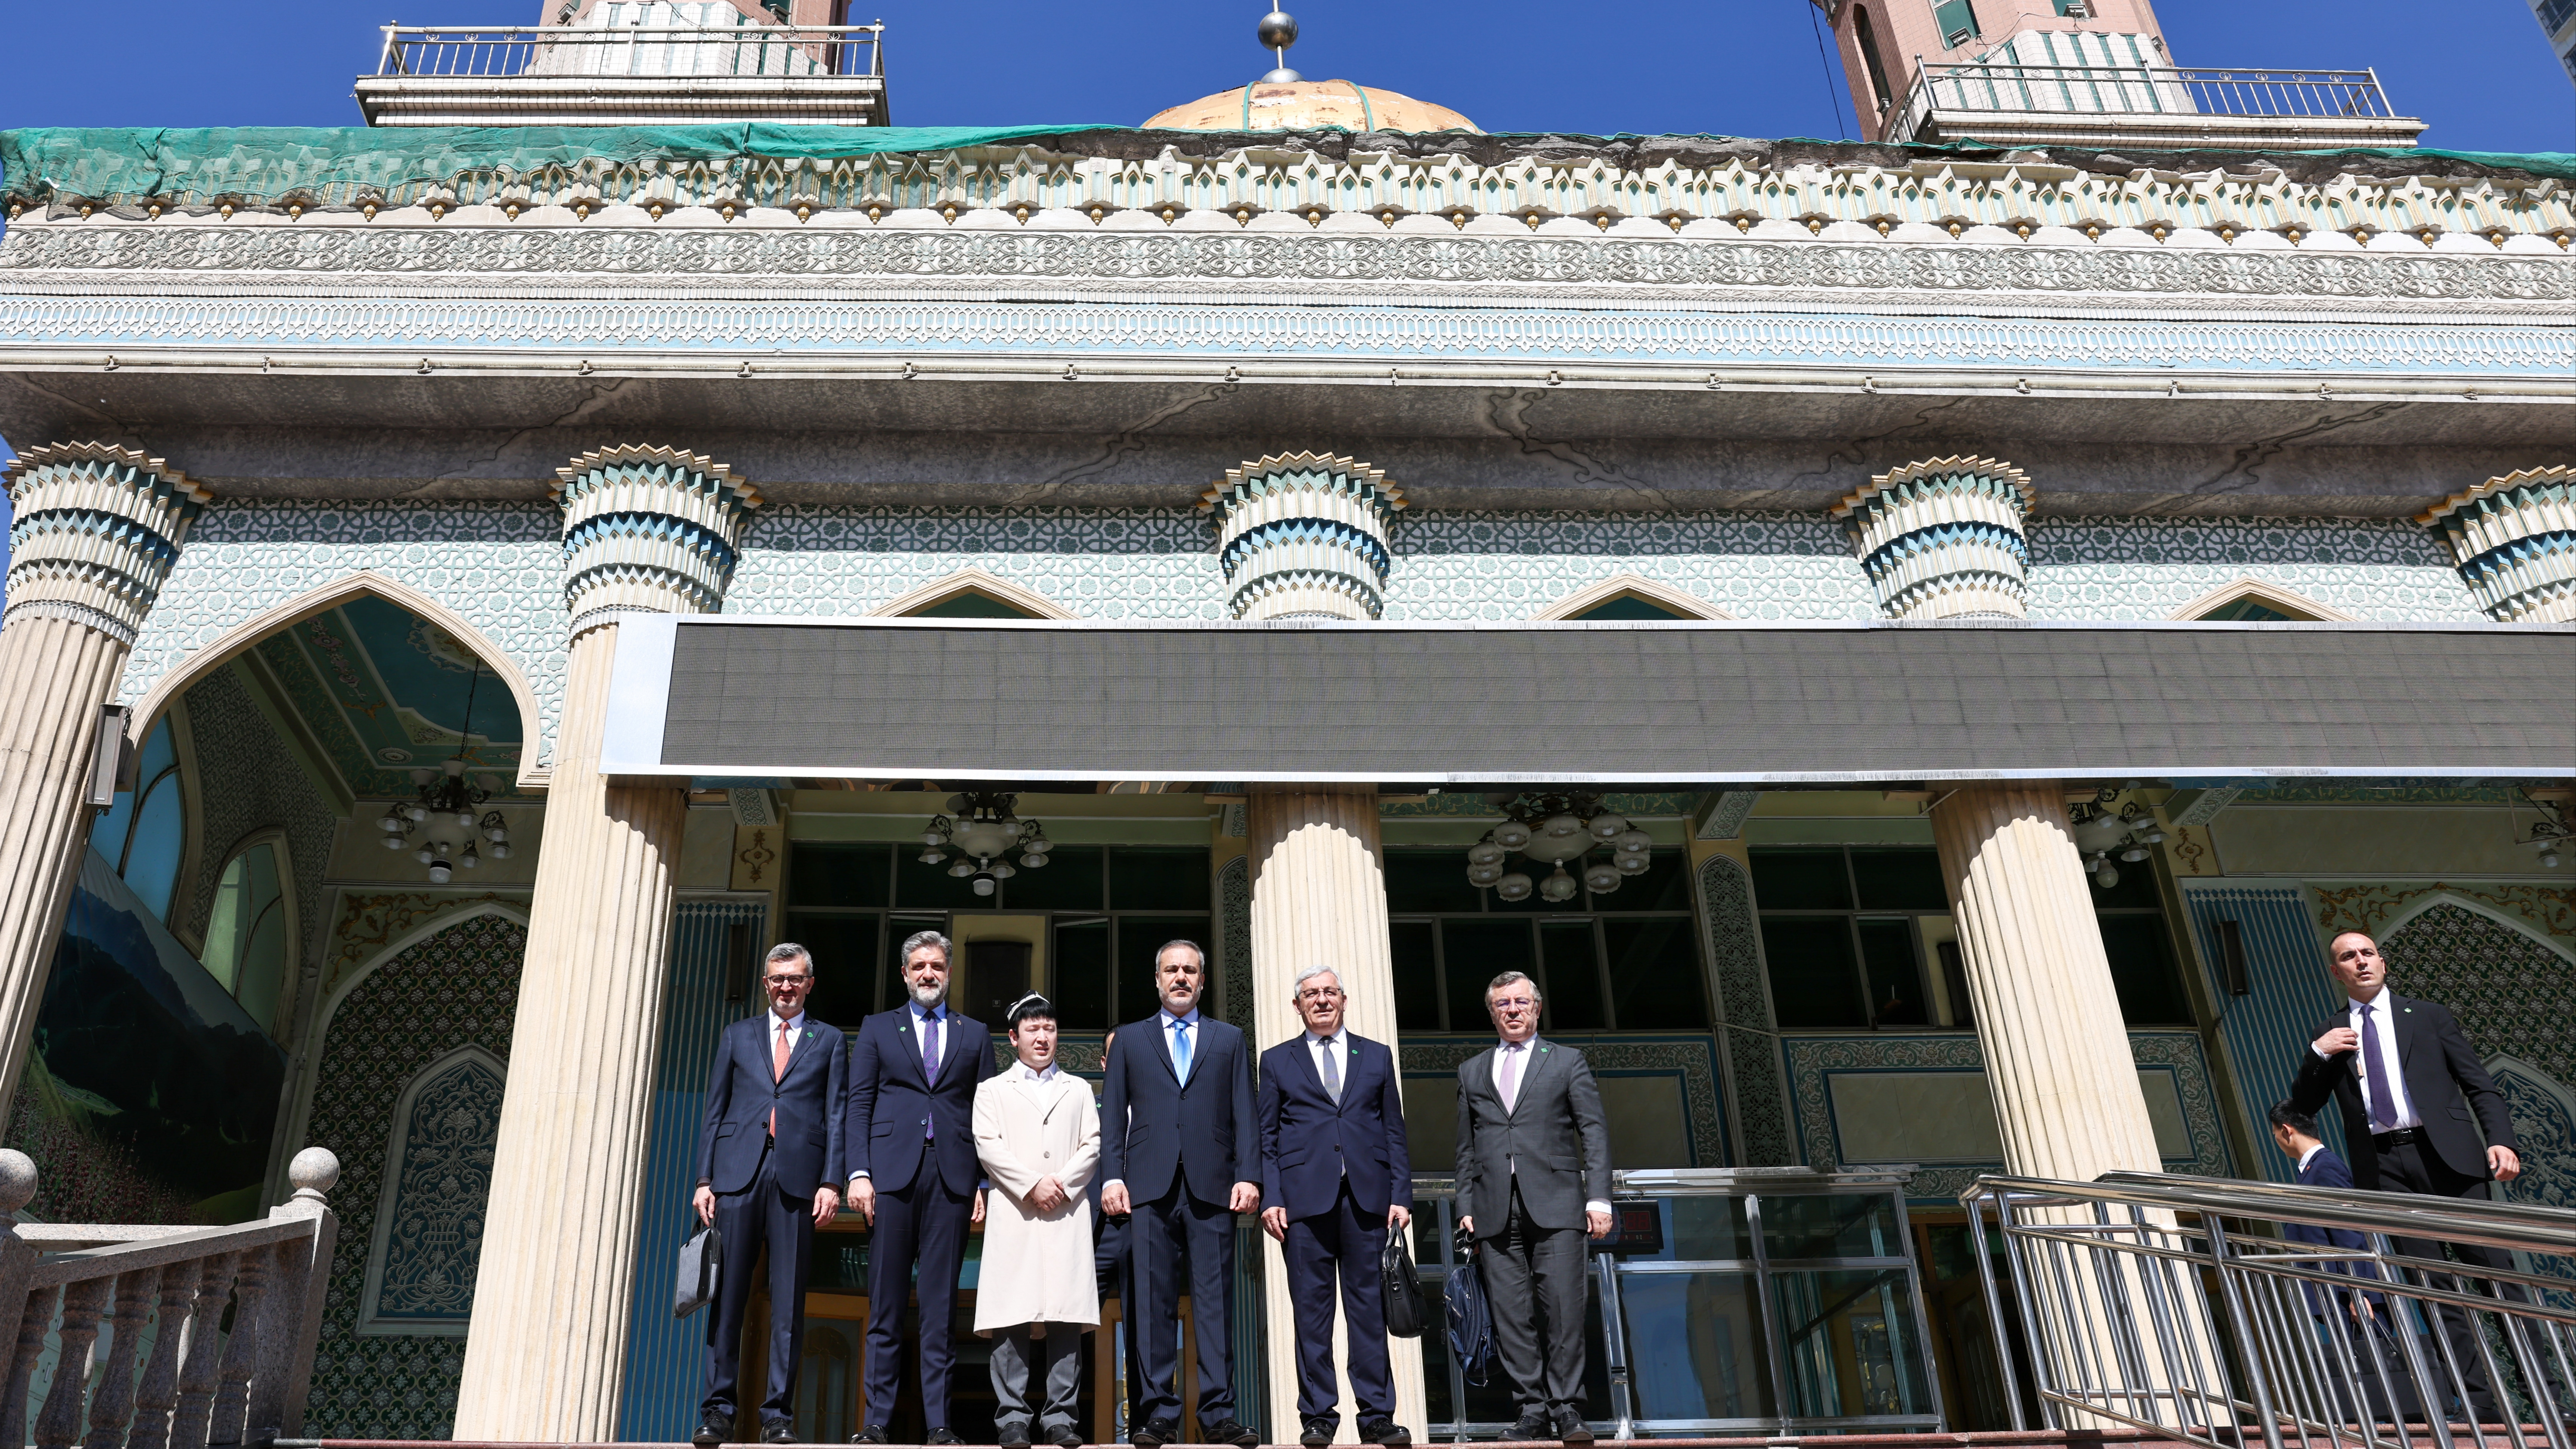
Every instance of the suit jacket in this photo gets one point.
(1153, 1126)
(2443, 1077)
(891, 1101)
(1309, 1141)
(1555, 1134)
(2327, 1170)
(742, 1092)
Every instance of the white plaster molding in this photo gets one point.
(176, 681)
(1594, 595)
(972, 581)
(2297, 605)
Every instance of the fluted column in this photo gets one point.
(1303, 535)
(1942, 538)
(2514, 540)
(2057, 1051)
(645, 531)
(1319, 899)
(95, 530)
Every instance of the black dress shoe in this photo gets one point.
(942, 1436)
(1535, 1427)
(1068, 1437)
(1013, 1436)
(1319, 1431)
(1235, 1432)
(872, 1434)
(1570, 1426)
(1154, 1436)
(713, 1429)
(781, 1432)
(1384, 1431)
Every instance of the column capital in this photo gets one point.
(94, 531)
(1942, 538)
(1303, 535)
(2514, 541)
(648, 530)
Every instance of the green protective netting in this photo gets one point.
(121, 166)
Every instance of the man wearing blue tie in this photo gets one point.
(914, 1176)
(1337, 1174)
(1179, 1151)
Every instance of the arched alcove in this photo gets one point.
(2252, 601)
(1631, 596)
(972, 594)
(430, 1209)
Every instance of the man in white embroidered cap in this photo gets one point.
(1037, 1133)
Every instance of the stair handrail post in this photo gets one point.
(291, 1322)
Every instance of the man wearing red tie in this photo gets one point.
(914, 1176)
(769, 1168)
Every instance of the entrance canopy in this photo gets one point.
(1676, 704)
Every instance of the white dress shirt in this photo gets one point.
(1198, 1042)
(793, 1024)
(2310, 1156)
(1520, 1081)
(1027, 1073)
(2382, 1021)
(1338, 1047)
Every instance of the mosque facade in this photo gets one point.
(473, 587)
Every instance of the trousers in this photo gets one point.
(1174, 1230)
(1534, 1280)
(917, 1244)
(760, 1214)
(1350, 1244)
(1054, 1351)
(2415, 1167)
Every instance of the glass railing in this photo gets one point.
(1730, 1301)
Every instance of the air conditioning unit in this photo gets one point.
(2078, 10)
(1959, 37)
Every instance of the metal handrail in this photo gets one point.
(2012, 87)
(488, 52)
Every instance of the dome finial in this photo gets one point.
(1278, 32)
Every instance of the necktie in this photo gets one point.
(1511, 1074)
(1332, 1071)
(929, 1062)
(2383, 1102)
(778, 1070)
(1181, 1049)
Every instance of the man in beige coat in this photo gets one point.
(1038, 1134)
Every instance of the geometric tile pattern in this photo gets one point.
(2510, 992)
(459, 987)
(2145, 568)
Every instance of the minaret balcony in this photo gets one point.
(628, 75)
(2004, 102)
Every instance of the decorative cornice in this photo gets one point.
(648, 530)
(1942, 538)
(94, 531)
(2514, 539)
(1304, 535)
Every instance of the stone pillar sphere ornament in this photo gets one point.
(648, 531)
(17, 1179)
(2514, 539)
(1942, 538)
(1303, 536)
(94, 532)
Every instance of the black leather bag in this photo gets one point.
(701, 1268)
(1403, 1288)
(1471, 1322)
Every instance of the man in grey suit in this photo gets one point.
(1533, 1178)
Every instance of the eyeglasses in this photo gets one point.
(798, 981)
(1319, 993)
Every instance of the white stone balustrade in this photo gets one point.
(1942, 538)
(1303, 535)
(94, 530)
(648, 530)
(2514, 539)
(199, 1386)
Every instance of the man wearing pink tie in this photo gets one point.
(1533, 1178)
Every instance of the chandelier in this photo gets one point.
(987, 827)
(2100, 833)
(1557, 830)
(448, 802)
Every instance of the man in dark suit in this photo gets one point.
(769, 1169)
(914, 1176)
(2367, 1325)
(2419, 1112)
(1179, 1154)
(1338, 1177)
(1533, 1178)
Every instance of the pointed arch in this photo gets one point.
(466, 1082)
(2400, 919)
(233, 642)
(965, 582)
(2254, 591)
(1631, 586)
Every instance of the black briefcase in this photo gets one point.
(1403, 1288)
(701, 1267)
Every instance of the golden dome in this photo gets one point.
(1305, 105)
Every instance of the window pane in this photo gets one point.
(838, 875)
(1149, 879)
(1654, 974)
(1701, 1229)
(1957, 21)
(2142, 970)
(1078, 969)
(844, 948)
(1849, 1341)
(1476, 952)
(1814, 980)
(918, 885)
(1800, 878)
(263, 968)
(1695, 1341)
(1417, 977)
(1430, 880)
(1859, 1225)
(1139, 938)
(1900, 879)
(1895, 980)
(152, 861)
(1573, 977)
(1069, 881)
(224, 926)
(1665, 886)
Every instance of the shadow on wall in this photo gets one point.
(151, 1095)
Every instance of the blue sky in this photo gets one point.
(2478, 70)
